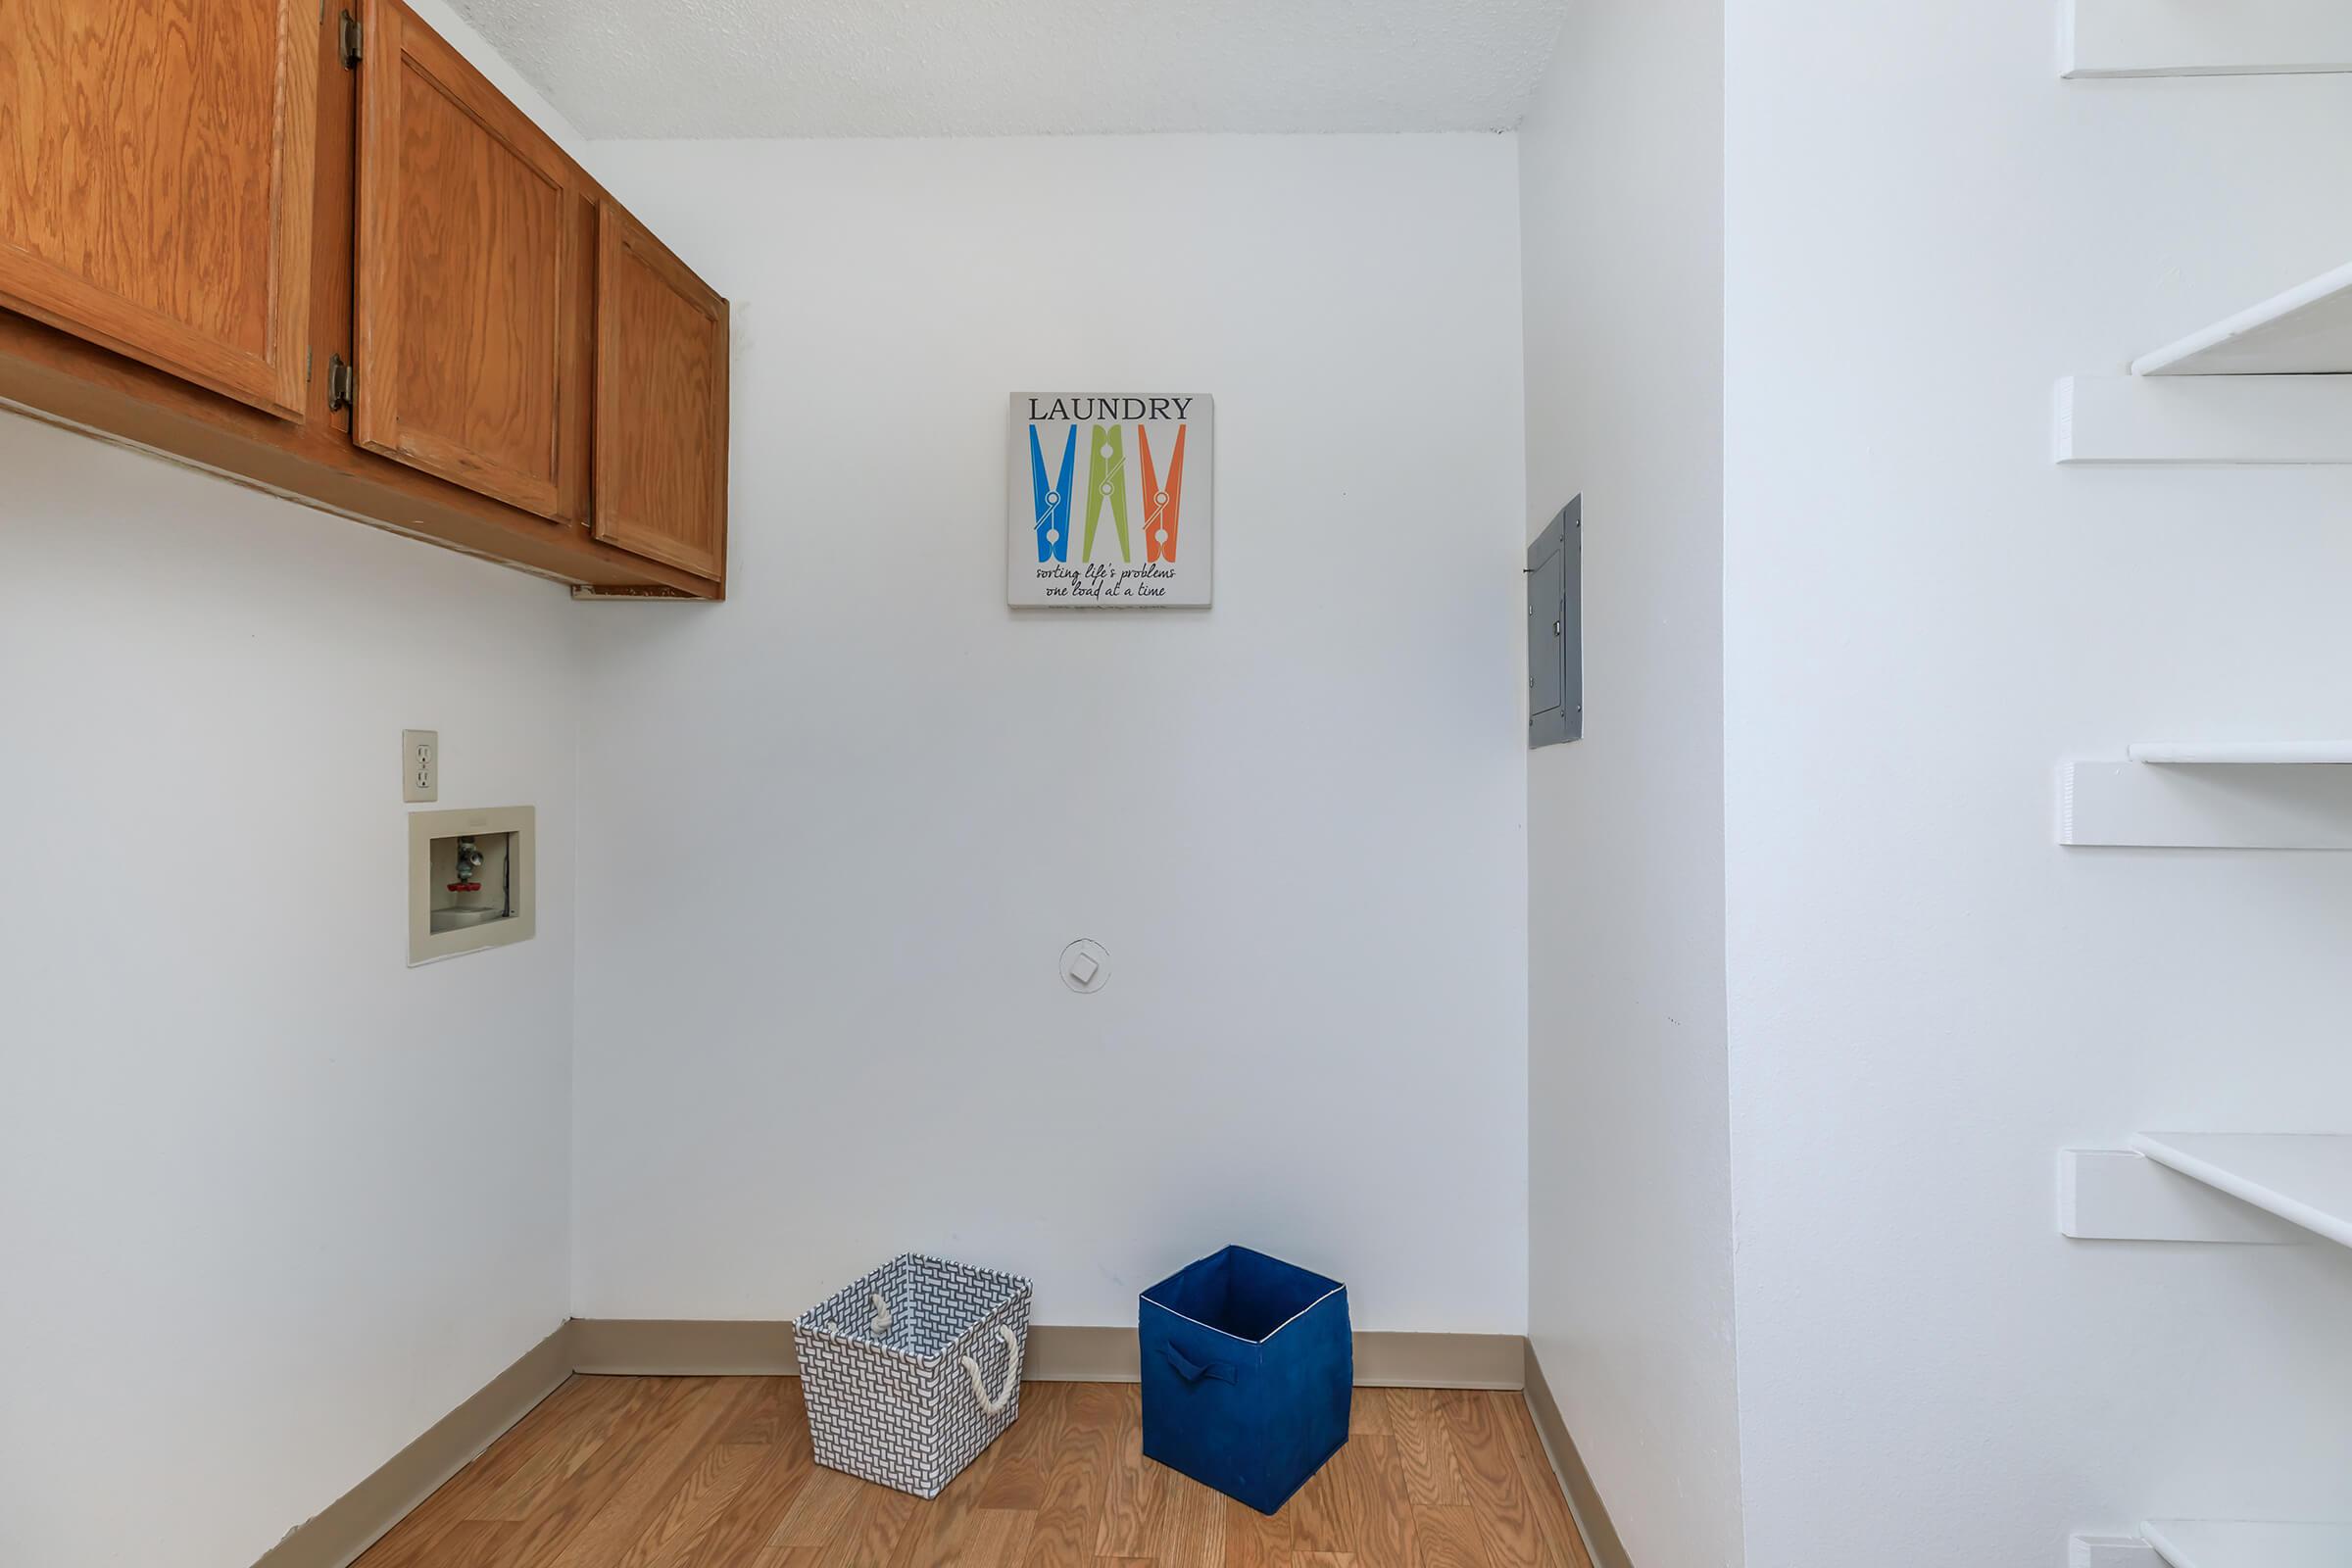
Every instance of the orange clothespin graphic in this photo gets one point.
(1162, 499)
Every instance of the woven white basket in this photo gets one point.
(912, 1370)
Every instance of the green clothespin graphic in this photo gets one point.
(1107, 480)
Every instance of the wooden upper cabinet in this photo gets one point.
(157, 183)
(661, 402)
(212, 233)
(471, 345)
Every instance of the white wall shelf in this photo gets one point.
(2206, 38)
(2243, 754)
(2305, 331)
(2242, 1543)
(2225, 796)
(2272, 384)
(2216, 1544)
(2303, 1178)
(2205, 419)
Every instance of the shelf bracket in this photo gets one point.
(2119, 1194)
(2153, 805)
(2260, 419)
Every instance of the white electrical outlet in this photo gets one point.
(419, 764)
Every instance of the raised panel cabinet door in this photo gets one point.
(156, 182)
(470, 354)
(660, 404)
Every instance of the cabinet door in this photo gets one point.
(661, 402)
(470, 353)
(156, 182)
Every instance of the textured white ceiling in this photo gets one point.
(1002, 68)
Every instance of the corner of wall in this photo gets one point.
(1631, 1301)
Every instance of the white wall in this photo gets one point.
(837, 831)
(270, 1202)
(1629, 1305)
(1928, 998)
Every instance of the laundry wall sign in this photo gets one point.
(1108, 499)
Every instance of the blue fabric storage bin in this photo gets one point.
(1248, 1367)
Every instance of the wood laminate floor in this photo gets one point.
(715, 1473)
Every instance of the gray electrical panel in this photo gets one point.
(1555, 645)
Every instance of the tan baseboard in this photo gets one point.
(351, 1524)
(1383, 1358)
(1075, 1355)
(1392, 1360)
(682, 1347)
(1584, 1500)
(1057, 1352)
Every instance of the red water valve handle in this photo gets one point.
(465, 887)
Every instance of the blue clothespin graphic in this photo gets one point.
(1052, 500)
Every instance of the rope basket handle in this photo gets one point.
(1013, 1373)
(881, 1322)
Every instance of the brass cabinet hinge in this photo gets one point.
(350, 34)
(341, 383)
